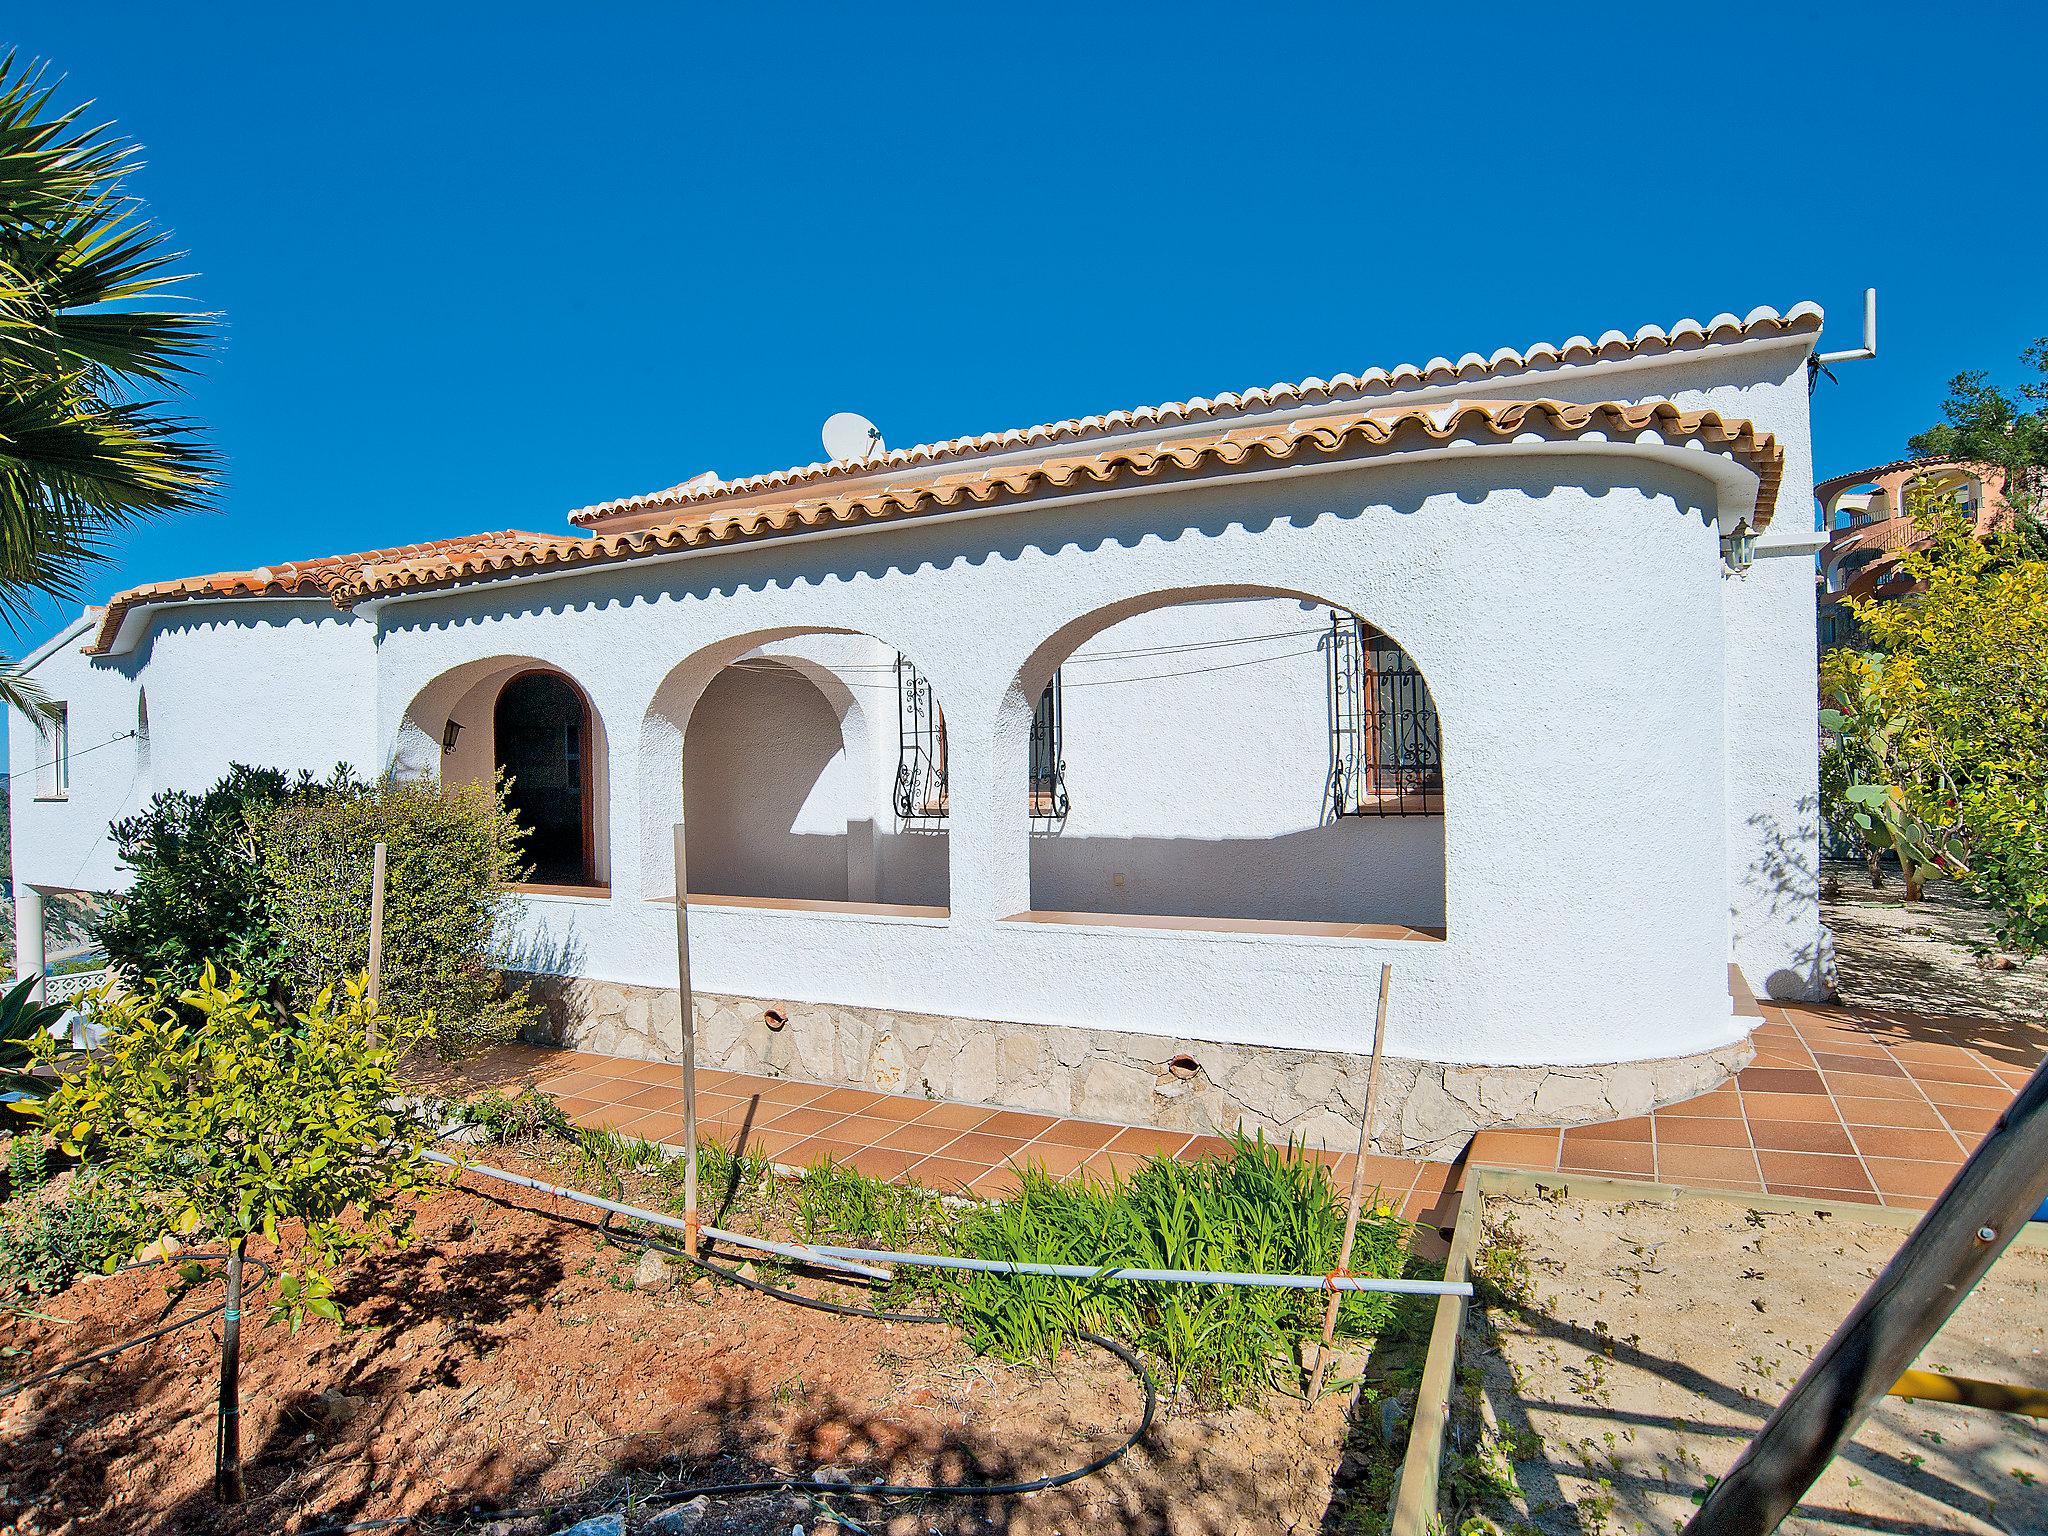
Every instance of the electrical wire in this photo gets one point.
(72, 756)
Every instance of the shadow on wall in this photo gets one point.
(1787, 875)
(1358, 870)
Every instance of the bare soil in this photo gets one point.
(1661, 1335)
(505, 1360)
(1932, 956)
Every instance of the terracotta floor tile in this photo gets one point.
(919, 1138)
(653, 1095)
(960, 1117)
(1616, 1157)
(1392, 1174)
(1777, 1080)
(659, 1072)
(1969, 1095)
(773, 1145)
(1816, 1170)
(1870, 1085)
(945, 1175)
(1683, 1165)
(1699, 1131)
(1017, 1123)
(1872, 1066)
(799, 1122)
(1723, 1101)
(1910, 1113)
(1969, 1123)
(996, 1184)
(1107, 1164)
(989, 1151)
(1814, 1135)
(883, 1162)
(1147, 1142)
(1749, 1186)
(571, 1085)
(864, 1130)
(1893, 1141)
(1204, 1146)
(1091, 1134)
(898, 1107)
(814, 1150)
(658, 1126)
(1056, 1160)
(846, 1101)
(1901, 1176)
(1784, 1106)
(1515, 1148)
(1636, 1129)
(1957, 1070)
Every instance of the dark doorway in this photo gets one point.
(543, 747)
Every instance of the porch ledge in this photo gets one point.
(800, 904)
(1275, 927)
(546, 888)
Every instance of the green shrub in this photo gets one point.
(452, 855)
(28, 1164)
(1261, 1209)
(46, 1244)
(245, 1123)
(199, 895)
(527, 1118)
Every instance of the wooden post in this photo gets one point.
(689, 1045)
(1372, 1102)
(1986, 1205)
(376, 938)
(227, 1453)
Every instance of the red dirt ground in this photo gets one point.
(505, 1361)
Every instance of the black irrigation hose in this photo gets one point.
(671, 1497)
(262, 1274)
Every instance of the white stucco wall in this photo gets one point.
(1628, 745)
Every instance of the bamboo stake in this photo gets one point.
(376, 939)
(1372, 1102)
(689, 1045)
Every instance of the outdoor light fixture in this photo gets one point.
(448, 736)
(1739, 548)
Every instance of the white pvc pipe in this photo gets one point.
(738, 1240)
(848, 1258)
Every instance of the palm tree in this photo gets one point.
(84, 450)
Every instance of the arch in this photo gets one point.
(451, 731)
(778, 750)
(1241, 754)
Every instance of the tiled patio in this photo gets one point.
(1840, 1104)
(958, 1148)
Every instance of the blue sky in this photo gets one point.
(484, 263)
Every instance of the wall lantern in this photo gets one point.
(448, 736)
(1739, 548)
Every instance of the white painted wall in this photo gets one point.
(1628, 737)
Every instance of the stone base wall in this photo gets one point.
(1426, 1108)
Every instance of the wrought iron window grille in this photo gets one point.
(1386, 748)
(1048, 756)
(920, 748)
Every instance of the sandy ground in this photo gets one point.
(1659, 1337)
(1919, 956)
(507, 1360)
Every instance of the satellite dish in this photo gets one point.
(852, 438)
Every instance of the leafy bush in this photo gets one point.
(244, 1123)
(452, 855)
(28, 1164)
(199, 895)
(46, 1244)
(269, 877)
(27, 1030)
(1260, 1209)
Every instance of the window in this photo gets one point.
(921, 794)
(543, 747)
(1386, 751)
(53, 762)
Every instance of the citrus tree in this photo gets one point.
(211, 1116)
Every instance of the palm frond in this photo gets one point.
(20, 691)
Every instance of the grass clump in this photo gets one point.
(47, 1243)
(833, 1200)
(1261, 1208)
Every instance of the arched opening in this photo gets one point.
(517, 716)
(785, 759)
(541, 742)
(1244, 758)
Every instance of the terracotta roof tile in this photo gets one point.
(1365, 434)
(319, 577)
(1504, 363)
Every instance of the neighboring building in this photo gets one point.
(1869, 526)
(1099, 766)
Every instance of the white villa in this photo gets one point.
(1097, 767)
